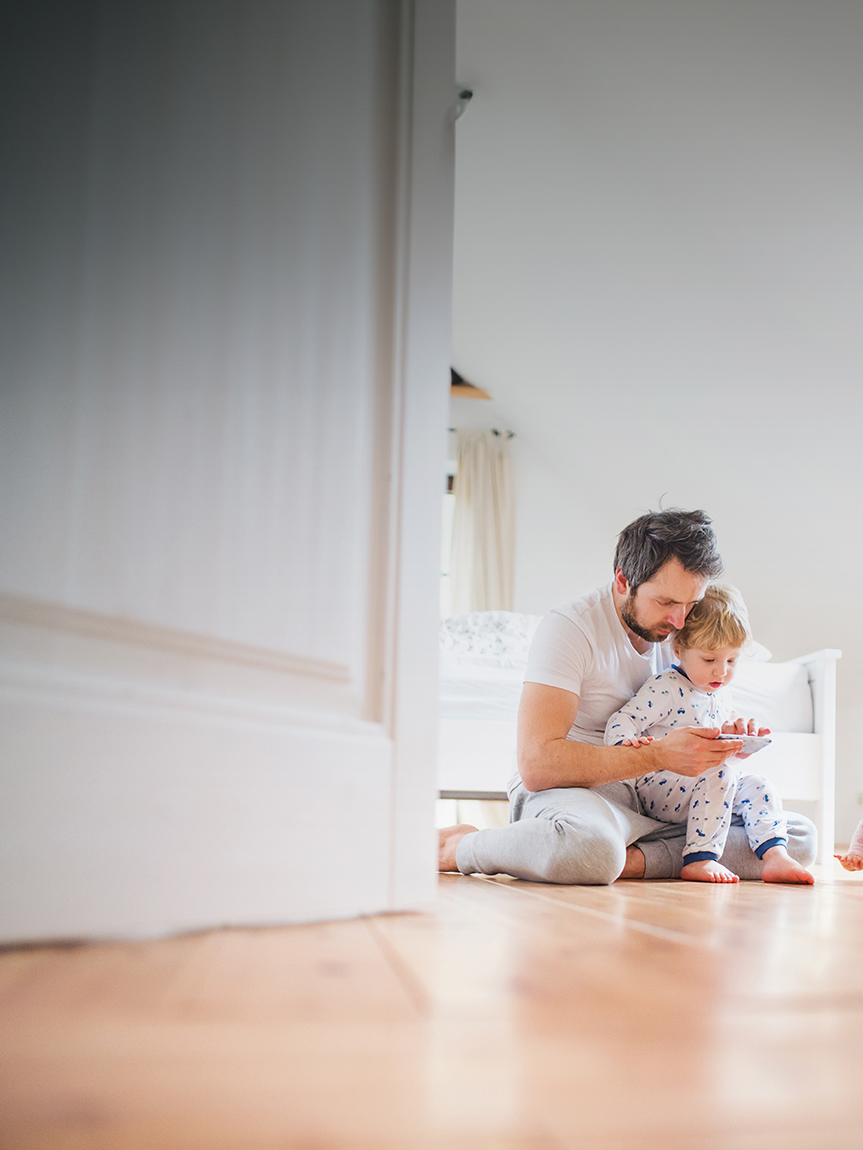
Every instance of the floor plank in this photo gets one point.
(510, 1016)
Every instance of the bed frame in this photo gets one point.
(476, 757)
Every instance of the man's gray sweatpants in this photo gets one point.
(579, 835)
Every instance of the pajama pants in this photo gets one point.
(707, 804)
(579, 835)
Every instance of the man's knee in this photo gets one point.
(802, 839)
(583, 856)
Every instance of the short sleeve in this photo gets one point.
(560, 654)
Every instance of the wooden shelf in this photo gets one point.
(468, 391)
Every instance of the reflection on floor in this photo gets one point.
(664, 1016)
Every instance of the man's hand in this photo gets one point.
(692, 751)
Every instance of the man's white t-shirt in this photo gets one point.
(582, 647)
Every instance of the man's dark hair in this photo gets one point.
(648, 543)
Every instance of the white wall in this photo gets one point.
(658, 242)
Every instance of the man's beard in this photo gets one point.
(627, 614)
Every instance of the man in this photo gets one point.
(574, 817)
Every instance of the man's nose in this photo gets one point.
(677, 618)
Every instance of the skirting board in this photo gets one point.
(138, 821)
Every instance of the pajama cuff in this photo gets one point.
(780, 842)
(700, 856)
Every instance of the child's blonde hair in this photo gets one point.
(718, 620)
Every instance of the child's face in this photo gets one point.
(708, 670)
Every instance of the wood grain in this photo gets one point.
(509, 1016)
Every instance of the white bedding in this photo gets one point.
(483, 657)
(476, 689)
(482, 661)
(504, 635)
(776, 695)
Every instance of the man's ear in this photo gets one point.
(621, 583)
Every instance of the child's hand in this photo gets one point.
(744, 727)
(641, 741)
(851, 862)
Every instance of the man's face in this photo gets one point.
(660, 605)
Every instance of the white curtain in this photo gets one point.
(483, 544)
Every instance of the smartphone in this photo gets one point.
(751, 743)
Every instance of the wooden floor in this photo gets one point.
(663, 1015)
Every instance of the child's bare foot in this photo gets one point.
(450, 837)
(708, 870)
(779, 866)
(849, 861)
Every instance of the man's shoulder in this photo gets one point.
(587, 609)
(569, 636)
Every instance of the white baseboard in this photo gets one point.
(126, 814)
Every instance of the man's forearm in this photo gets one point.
(566, 763)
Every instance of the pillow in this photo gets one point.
(757, 653)
(776, 695)
(503, 634)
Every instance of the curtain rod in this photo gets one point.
(493, 430)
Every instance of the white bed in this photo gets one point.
(482, 662)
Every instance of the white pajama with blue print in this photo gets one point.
(706, 803)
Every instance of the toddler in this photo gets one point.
(694, 693)
(854, 859)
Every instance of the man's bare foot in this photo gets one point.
(850, 862)
(634, 865)
(450, 837)
(709, 870)
(779, 866)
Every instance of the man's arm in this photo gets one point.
(547, 759)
